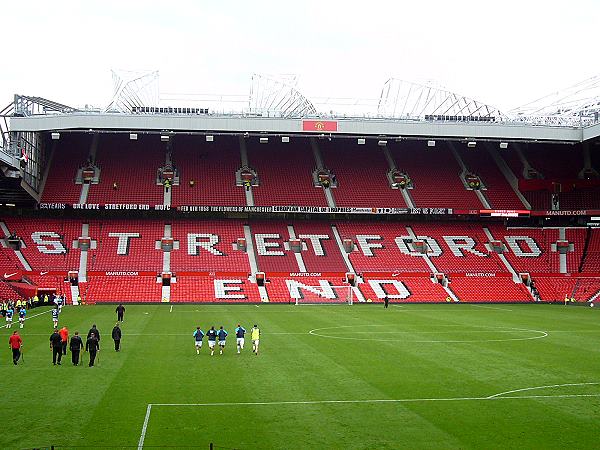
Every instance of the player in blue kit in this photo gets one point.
(198, 336)
(222, 334)
(240, 333)
(211, 335)
(22, 314)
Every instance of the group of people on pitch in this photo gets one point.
(213, 335)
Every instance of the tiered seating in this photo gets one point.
(204, 289)
(539, 200)
(361, 175)
(546, 261)
(386, 258)
(420, 289)
(123, 289)
(436, 176)
(8, 261)
(133, 166)
(285, 173)
(511, 157)
(554, 161)
(555, 289)
(448, 261)
(141, 254)
(331, 260)
(212, 167)
(499, 192)
(586, 288)
(225, 258)
(71, 151)
(491, 289)
(576, 236)
(580, 199)
(285, 261)
(7, 292)
(591, 261)
(48, 256)
(279, 292)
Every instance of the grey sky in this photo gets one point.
(503, 53)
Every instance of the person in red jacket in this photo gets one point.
(15, 342)
(64, 337)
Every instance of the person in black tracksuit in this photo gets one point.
(75, 346)
(386, 300)
(120, 312)
(116, 335)
(95, 332)
(93, 346)
(56, 346)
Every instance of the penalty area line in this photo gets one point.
(490, 398)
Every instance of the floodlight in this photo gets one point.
(55, 136)
(471, 144)
(133, 136)
(503, 145)
(382, 143)
(430, 143)
(361, 141)
(264, 140)
(164, 138)
(210, 138)
(285, 139)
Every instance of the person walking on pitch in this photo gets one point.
(95, 332)
(212, 339)
(64, 336)
(255, 335)
(198, 336)
(116, 335)
(15, 343)
(240, 333)
(120, 312)
(56, 346)
(75, 346)
(222, 334)
(92, 345)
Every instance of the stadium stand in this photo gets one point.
(324, 254)
(209, 289)
(206, 171)
(435, 174)
(69, 153)
(361, 172)
(489, 289)
(270, 239)
(498, 191)
(285, 173)
(123, 288)
(133, 166)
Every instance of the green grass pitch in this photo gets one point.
(328, 377)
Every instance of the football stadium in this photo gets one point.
(285, 275)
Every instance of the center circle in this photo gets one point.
(382, 334)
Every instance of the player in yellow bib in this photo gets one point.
(255, 336)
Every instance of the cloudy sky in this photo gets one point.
(503, 53)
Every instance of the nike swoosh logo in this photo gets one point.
(43, 273)
(10, 274)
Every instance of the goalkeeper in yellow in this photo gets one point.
(255, 336)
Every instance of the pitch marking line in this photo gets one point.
(499, 396)
(491, 307)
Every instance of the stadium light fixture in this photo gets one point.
(264, 140)
(133, 136)
(430, 143)
(382, 143)
(164, 138)
(55, 136)
(285, 139)
(361, 141)
(471, 144)
(504, 145)
(210, 138)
